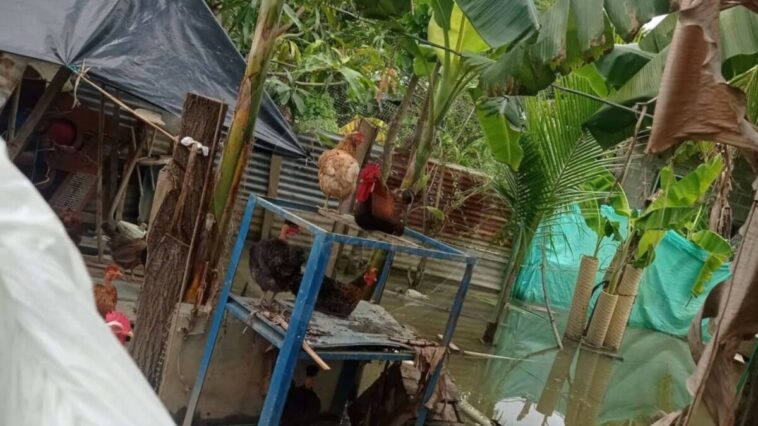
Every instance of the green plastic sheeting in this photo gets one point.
(664, 302)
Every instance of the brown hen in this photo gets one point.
(338, 169)
(106, 294)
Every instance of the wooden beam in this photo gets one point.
(99, 197)
(18, 143)
(12, 116)
(275, 172)
(173, 249)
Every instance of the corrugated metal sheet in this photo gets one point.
(473, 226)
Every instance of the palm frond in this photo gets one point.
(559, 157)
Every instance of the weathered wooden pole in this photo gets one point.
(174, 232)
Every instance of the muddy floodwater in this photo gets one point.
(535, 383)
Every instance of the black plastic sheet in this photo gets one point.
(157, 50)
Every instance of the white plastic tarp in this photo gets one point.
(60, 364)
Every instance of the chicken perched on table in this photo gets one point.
(375, 206)
(128, 245)
(338, 169)
(275, 263)
(72, 221)
(106, 295)
(340, 299)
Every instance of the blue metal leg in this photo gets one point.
(293, 341)
(218, 314)
(452, 320)
(386, 269)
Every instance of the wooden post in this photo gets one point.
(99, 201)
(171, 243)
(13, 114)
(275, 172)
(362, 154)
(17, 144)
(113, 157)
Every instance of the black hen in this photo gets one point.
(303, 406)
(276, 264)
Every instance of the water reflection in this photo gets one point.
(576, 386)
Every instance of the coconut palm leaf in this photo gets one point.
(561, 158)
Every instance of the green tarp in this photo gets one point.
(664, 302)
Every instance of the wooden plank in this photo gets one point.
(12, 116)
(30, 125)
(99, 191)
(173, 249)
(275, 172)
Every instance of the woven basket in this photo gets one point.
(578, 313)
(627, 292)
(601, 318)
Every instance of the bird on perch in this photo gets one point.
(338, 168)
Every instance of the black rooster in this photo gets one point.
(275, 264)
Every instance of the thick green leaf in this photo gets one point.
(645, 254)
(676, 203)
(551, 45)
(719, 251)
(501, 22)
(461, 35)
(612, 125)
(515, 73)
(628, 16)
(383, 9)
(597, 82)
(659, 37)
(738, 29)
(622, 63)
(590, 24)
(498, 120)
(436, 213)
(443, 10)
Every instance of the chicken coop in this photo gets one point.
(370, 333)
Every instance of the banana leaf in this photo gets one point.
(501, 123)
(719, 251)
(628, 16)
(676, 203)
(739, 51)
(501, 23)
(383, 9)
(622, 63)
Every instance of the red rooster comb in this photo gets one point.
(120, 325)
(356, 136)
(371, 171)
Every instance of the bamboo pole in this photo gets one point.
(582, 293)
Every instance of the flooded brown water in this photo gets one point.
(536, 384)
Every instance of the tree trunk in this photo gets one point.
(173, 232)
(394, 127)
(422, 148)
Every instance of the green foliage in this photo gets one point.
(719, 253)
(501, 122)
(561, 158)
(318, 115)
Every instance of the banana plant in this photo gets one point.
(453, 33)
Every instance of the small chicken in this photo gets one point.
(375, 208)
(120, 325)
(106, 294)
(128, 248)
(338, 169)
(275, 264)
(72, 221)
(340, 299)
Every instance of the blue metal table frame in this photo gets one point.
(315, 267)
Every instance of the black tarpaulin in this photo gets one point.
(157, 50)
